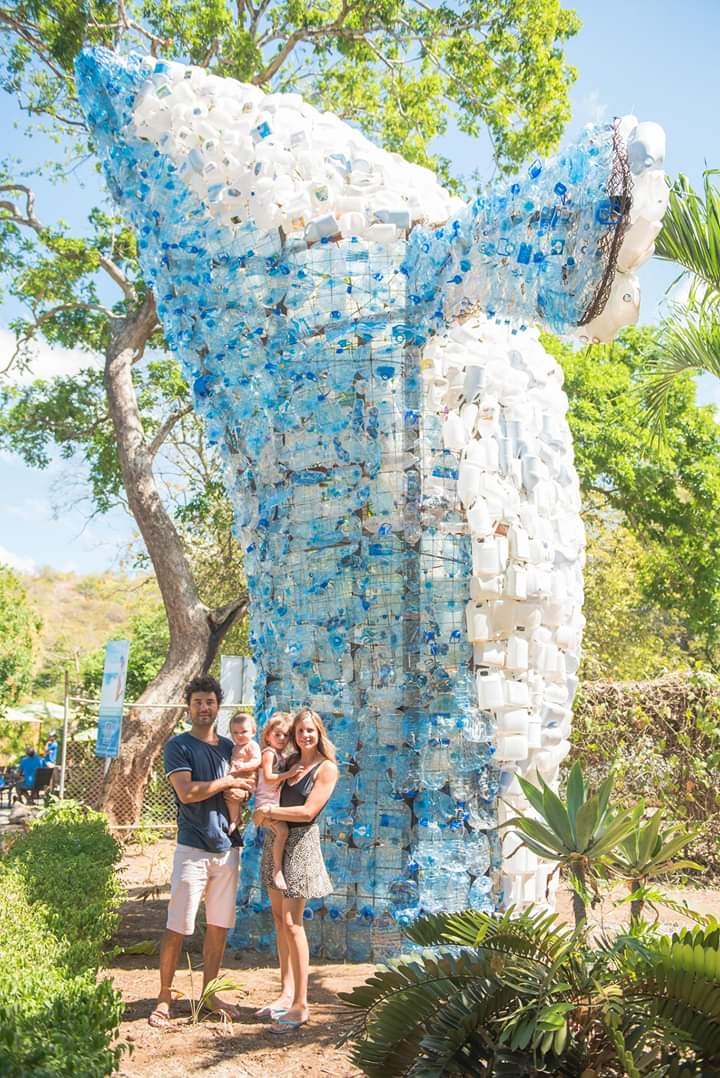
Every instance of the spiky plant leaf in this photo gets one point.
(575, 793)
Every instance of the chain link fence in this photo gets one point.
(84, 778)
(84, 772)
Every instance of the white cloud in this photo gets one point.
(16, 561)
(47, 360)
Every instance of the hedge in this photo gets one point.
(58, 903)
(663, 737)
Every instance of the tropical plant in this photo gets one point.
(579, 834)
(690, 338)
(650, 851)
(519, 995)
(202, 1005)
(404, 70)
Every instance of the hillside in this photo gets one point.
(79, 613)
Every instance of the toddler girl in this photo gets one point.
(271, 776)
(245, 758)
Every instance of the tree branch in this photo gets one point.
(33, 38)
(187, 617)
(45, 317)
(166, 427)
(29, 220)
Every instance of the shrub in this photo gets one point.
(59, 898)
(68, 859)
(662, 738)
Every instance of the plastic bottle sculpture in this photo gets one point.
(359, 343)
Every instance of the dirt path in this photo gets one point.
(245, 1049)
(242, 1050)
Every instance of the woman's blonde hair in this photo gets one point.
(278, 718)
(325, 745)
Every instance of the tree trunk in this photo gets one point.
(578, 893)
(195, 630)
(636, 904)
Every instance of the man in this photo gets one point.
(51, 750)
(207, 856)
(27, 766)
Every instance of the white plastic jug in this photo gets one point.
(489, 689)
(511, 747)
(513, 721)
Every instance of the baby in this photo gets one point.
(273, 742)
(245, 758)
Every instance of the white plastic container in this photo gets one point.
(514, 721)
(517, 693)
(489, 689)
(517, 653)
(511, 747)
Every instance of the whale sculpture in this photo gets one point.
(362, 347)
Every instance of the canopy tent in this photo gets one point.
(39, 711)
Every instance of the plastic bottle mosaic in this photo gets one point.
(396, 449)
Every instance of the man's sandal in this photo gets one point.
(159, 1019)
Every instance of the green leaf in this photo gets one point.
(575, 795)
(557, 817)
(586, 823)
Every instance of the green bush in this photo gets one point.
(59, 898)
(663, 739)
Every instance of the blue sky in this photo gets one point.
(656, 58)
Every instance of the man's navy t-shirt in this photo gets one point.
(203, 824)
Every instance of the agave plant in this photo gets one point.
(649, 852)
(580, 833)
(519, 995)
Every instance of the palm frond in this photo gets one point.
(688, 343)
(690, 234)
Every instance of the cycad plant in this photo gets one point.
(650, 851)
(690, 336)
(519, 995)
(579, 833)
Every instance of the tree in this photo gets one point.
(19, 625)
(627, 636)
(690, 339)
(402, 69)
(664, 493)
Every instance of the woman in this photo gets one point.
(301, 802)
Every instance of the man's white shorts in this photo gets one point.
(197, 872)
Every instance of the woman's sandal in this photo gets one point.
(284, 1025)
(270, 1012)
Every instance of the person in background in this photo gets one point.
(51, 750)
(27, 766)
(197, 764)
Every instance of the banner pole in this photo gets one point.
(66, 717)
